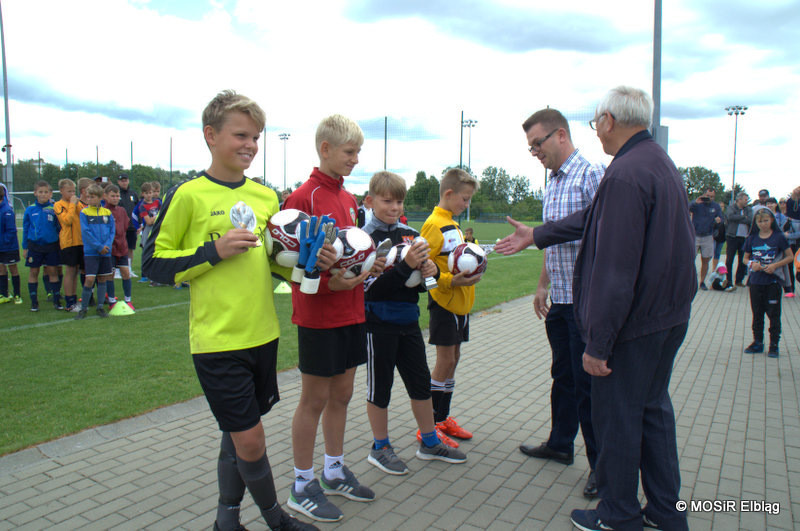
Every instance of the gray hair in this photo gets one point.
(631, 107)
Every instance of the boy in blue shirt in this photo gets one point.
(40, 230)
(97, 232)
(766, 251)
(9, 249)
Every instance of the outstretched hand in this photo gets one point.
(519, 240)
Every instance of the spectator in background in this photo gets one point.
(704, 213)
(128, 200)
(739, 217)
(719, 237)
(761, 202)
(793, 204)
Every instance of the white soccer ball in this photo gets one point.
(355, 252)
(416, 277)
(283, 228)
(468, 258)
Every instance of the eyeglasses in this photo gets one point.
(536, 145)
(593, 122)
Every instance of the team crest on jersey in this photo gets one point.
(105, 219)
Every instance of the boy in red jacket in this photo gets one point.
(119, 250)
(331, 333)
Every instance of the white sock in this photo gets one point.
(302, 478)
(334, 467)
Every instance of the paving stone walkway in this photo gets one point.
(738, 438)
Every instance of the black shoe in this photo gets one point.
(703, 286)
(773, 350)
(81, 315)
(101, 312)
(240, 528)
(545, 452)
(646, 522)
(756, 347)
(34, 306)
(587, 520)
(590, 490)
(290, 523)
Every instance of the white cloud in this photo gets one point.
(127, 66)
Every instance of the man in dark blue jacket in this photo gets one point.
(633, 287)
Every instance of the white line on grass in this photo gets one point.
(494, 256)
(62, 321)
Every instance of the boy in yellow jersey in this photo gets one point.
(450, 302)
(233, 328)
(68, 211)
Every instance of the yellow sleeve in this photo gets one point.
(433, 235)
(165, 258)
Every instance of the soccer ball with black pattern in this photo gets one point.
(355, 252)
(469, 258)
(283, 245)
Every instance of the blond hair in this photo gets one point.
(387, 183)
(95, 190)
(83, 184)
(337, 130)
(227, 102)
(63, 183)
(457, 179)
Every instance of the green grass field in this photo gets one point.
(60, 376)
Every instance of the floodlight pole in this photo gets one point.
(469, 124)
(284, 137)
(735, 110)
(7, 147)
(656, 127)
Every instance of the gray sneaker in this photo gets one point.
(349, 487)
(387, 460)
(440, 452)
(313, 503)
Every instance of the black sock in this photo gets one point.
(4, 285)
(444, 406)
(15, 283)
(32, 288)
(231, 485)
(257, 475)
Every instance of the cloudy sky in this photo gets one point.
(97, 75)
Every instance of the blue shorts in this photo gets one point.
(97, 265)
(121, 261)
(9, 257)
(36, 259)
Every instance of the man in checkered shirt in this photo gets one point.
(571, 186)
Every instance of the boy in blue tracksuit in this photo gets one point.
(97, 232)
(40, 230)
(9, 249)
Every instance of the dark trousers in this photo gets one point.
(766, 299)
(735, 245)
(570, 395)
(790, 289)
(635, 426)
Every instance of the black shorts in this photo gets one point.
(97, 265)
(240, 385)
(9, 257)
(36, 259)
(404, 350)
(331, 351)
(72, 256)
(130, 236)
(120, 261)
(446, 328)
